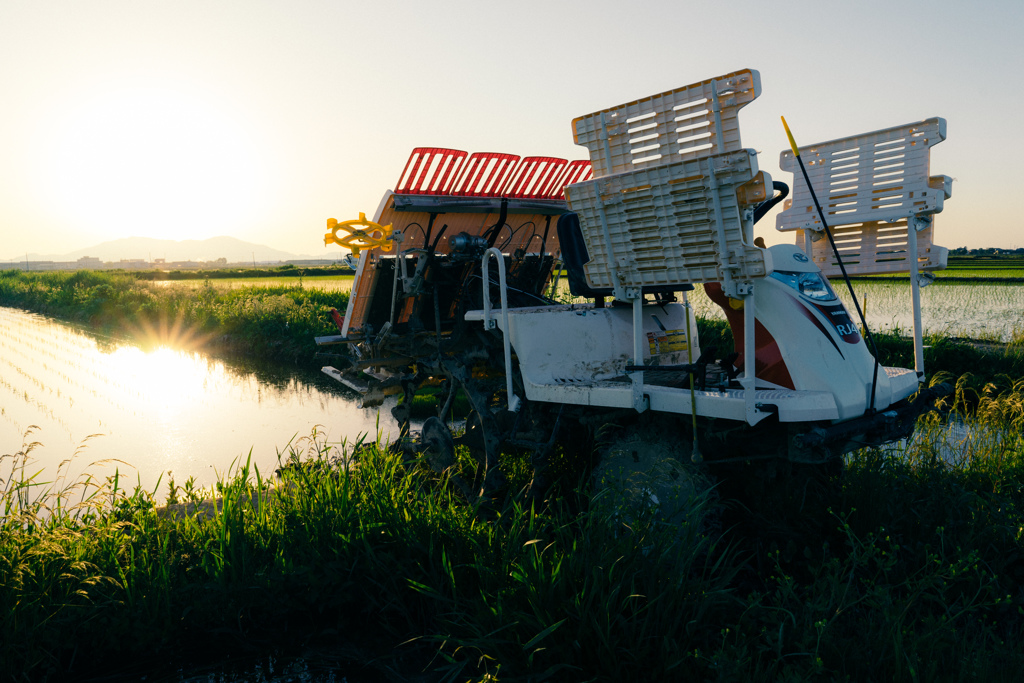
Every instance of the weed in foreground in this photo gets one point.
(353, 559)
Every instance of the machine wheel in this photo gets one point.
(483, 431)
(437, 444)
(473, 438)
(644, 471)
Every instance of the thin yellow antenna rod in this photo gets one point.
(792, 142)
(839, 260)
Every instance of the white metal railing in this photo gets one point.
(490, 323)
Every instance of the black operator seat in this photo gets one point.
(575, 256)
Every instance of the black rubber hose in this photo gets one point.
(764, 207)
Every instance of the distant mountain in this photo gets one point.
(149, 248)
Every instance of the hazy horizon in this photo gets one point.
(150, 248)
(260, 121)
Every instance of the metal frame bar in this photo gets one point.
(640, 402)
(915, 294)
(490, 323)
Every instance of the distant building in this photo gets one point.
(88, 262)
(132, 264)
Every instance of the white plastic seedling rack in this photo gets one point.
(873, 188)
(670, 201)
(672, 224)
(695, 120)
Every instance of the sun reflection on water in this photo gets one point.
(159, 409)
(166, 379)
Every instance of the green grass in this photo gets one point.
(908, 568)
(1002, 261)
(276, 323)
(959, 275)
(429, 400)
(342, 283)
(287, 270)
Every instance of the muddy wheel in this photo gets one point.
(484, 434)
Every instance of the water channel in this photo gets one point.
(87, 399)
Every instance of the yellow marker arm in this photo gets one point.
(369, 236)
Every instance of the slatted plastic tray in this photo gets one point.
(689, 122)
(877, 176)
(431, 170)
(870, 186)
(485, 174)
(663, 226)
(536, 178)
(874, 248)
(442, 171)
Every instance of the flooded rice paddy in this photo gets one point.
(86, 399)
(979, 311)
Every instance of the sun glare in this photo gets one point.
(172, 379)
(153, 162)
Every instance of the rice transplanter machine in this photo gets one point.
(458, 275)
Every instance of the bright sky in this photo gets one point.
(192, 119)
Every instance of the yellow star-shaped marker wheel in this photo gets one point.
(370, 234)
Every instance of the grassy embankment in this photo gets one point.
(273, 323)
(909, 568)
(285, 271)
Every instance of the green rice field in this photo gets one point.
(331, 283)
(958, 308)
(1008, 268)
(985, 311)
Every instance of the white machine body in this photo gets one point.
(580, 344)
(808, 341)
